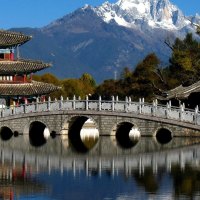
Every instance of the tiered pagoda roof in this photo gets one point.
(27, 89)
(21, 66)
(12, 39)
(180, 92)
(14, 82)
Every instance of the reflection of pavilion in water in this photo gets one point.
(17, 180)
(51, 158)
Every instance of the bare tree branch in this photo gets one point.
(168, 43)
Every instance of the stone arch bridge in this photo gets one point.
(60, 116)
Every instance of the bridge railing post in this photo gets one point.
(181, 110)
(130, 102)
(153, 108)
(113, 103)
(24, 108)
(36, 104)
(156, 106)
(170, 104)
(99, 103)
(167, 110)
(126, 104)
(86, 102)
(2, 112)
(140, 106)
(74, 102)
(117, 99)
(13, 108)
(196, 115)
(49, 104)
(61, 103)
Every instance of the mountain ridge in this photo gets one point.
(84, 41)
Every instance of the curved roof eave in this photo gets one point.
(12, 39)
(27, 89)
(8, 67)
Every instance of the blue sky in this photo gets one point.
(38, 13)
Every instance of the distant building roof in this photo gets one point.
(180, 92)
(12, 39)
(9, 67)
(27, 89)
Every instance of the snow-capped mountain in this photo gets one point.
(103, 40)
(155, 13)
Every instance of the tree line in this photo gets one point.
(147, 79)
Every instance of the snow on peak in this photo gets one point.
(86, 6)
(155, 13)
(141, 6)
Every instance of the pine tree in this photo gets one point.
(185, 61)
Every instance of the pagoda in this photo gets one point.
(16, 84)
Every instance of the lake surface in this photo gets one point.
(56, 170)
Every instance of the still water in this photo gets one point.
(57, 170)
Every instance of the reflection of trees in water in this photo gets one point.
(186, 182)
(147, 180)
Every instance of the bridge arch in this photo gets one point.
(125, 134)
(163, 135)
(36, 132)
(6, 133)
(83, 133)
(69, 121)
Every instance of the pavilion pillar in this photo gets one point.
(11, 55)
(7, 101)
(14, 78)
(24, 78)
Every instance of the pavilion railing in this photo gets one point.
(141, 108)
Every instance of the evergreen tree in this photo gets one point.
(185, 61)
(147, 77)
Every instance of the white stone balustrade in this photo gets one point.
(127, 106)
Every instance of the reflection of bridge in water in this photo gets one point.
(60, 158)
